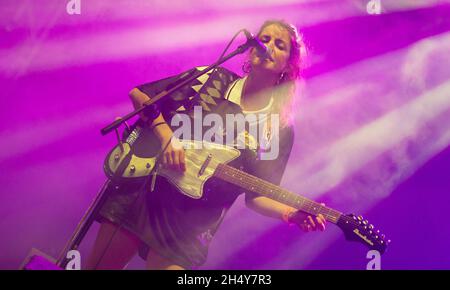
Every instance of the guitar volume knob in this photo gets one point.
(132, 168)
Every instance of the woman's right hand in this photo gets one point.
(173, 156)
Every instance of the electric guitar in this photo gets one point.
(137, 158)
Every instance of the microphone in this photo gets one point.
(263, 51)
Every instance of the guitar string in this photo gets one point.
(308, 205)
(231, 172)
(312, 206)
(286, 195)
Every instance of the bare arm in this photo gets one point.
(173, 155)
(266, 206)
(272, 208)
(138, 98)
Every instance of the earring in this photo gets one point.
(281, 77)
(246, 67)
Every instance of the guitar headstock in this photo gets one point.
(356, 228)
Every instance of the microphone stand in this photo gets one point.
(89, 217)
(241, 49)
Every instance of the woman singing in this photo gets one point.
(172, 231)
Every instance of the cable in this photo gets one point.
(141, 191)
(227, 47)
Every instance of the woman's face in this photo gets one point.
(277, 39)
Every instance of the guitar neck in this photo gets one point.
(272, 191)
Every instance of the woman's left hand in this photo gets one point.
(307, 222)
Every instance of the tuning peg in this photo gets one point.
(377, 232)
(376, 237)
(360, 218)
(383, 236)
(365, 222)
(371, 226)
(388, 242)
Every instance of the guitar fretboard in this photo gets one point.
(272, 191)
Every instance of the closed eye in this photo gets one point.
(280, 44)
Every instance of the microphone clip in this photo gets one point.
(263, 50)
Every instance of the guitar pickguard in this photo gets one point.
(200, 166)
(201, 158)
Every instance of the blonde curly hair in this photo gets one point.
(286, 85)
